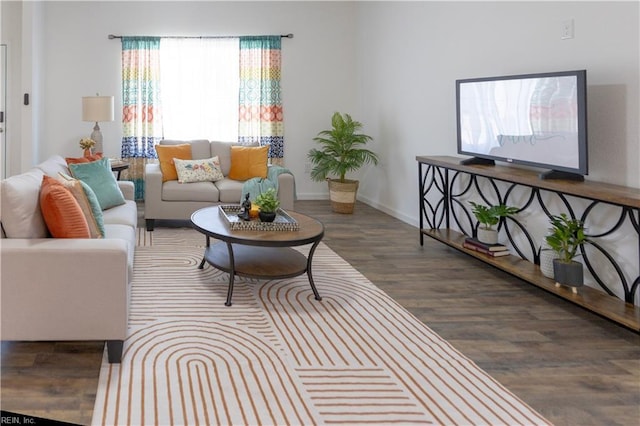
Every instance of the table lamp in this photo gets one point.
(97, 109)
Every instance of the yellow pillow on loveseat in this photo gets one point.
(166, 154)
(248, 162)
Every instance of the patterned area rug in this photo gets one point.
(279, 357)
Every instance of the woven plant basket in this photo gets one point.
(343, 195)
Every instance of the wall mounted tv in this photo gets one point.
(537, 120)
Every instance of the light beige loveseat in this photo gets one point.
(172, 200)
(63, 289)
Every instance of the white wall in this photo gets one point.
(391, 64)
(80, 60)
(410, 54)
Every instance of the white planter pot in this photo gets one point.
(488, 236)
(546, 262)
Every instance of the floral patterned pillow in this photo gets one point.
(207, 170)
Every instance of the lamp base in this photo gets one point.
(96, 135)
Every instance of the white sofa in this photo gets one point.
(63, 289)
(172, 200)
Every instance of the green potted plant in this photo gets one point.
(341, 151)
(268, 203)
(566, 236)
(488, 217)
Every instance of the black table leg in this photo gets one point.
(232, 274)
(203, 260)
(309, 259)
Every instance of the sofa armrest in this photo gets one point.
(64, 289)
(286, 190)
(152, 189)
(128, 189)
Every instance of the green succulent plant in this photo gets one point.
(567, 234)
(489, 216)
(268, 201)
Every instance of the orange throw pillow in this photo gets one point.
(166, 154)
(248, 162)
(76, 160)
(61, 211)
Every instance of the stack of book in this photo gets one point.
(495, 250)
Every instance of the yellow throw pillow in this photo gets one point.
(248, 162)
(166, 154)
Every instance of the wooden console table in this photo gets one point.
(444, 183)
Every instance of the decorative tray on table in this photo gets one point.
(282, 222)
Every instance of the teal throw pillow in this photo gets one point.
(95, 207)
(100, 178)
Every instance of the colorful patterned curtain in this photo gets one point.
(141, 117)
(260, 113)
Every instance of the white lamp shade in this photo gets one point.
(97, 108)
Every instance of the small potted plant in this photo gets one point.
(566, 237)
(341, 151)
(268, 203)
(488, 217)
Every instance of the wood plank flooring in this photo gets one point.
(571, 365)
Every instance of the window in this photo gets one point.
(225, 89)
(199, 83)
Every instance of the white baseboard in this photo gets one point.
(325, 196)
(312, 196)
(398, 215)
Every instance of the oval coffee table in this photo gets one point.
(258, 254)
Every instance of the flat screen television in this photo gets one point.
(537, 120)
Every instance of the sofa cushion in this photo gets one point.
(61, 211)
(248, 162)
(124, 214)
(20, 205)
(197, 191)
(166, 154)
(230, 190)
(98, 175)
(204, 170)
(223, 151)
(88, 202)
(199, 147)
(53, 165)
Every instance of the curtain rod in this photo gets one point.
(111, 36)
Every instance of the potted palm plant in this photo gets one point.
(566, 237)
(268, 203)
(341, 151)
(488, 217)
